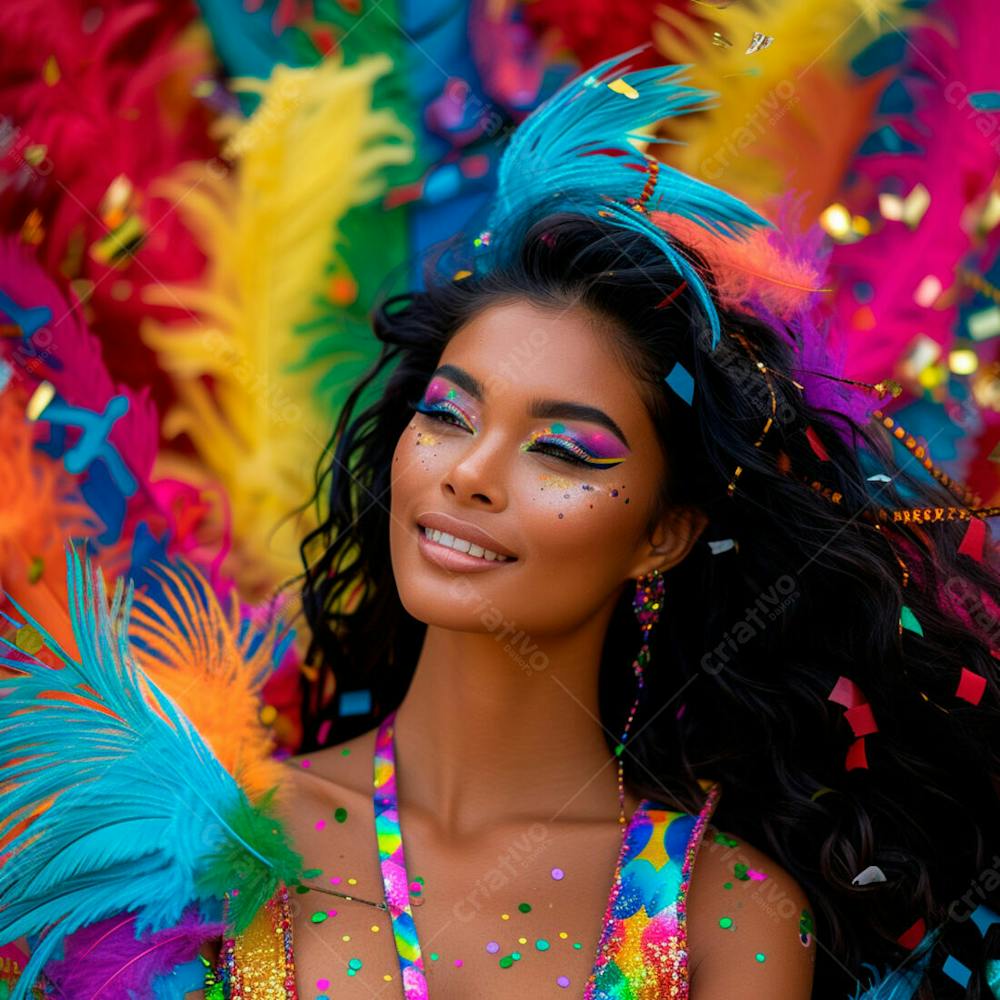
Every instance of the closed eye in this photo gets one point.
(446, 412)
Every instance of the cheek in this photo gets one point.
(580, 517)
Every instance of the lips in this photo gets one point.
(458, 528)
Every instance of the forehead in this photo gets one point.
(517, 348)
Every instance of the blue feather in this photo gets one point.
(141, 806)
(573, 153)
(902, 982)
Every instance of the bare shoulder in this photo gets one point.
(347, 765)
(750, 924)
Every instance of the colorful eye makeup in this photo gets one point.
(595, 449)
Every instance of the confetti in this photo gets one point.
(913, 935)
(816, 445)
(679, 379)
(908, 620)
(972, 540)
(984, 918)
(845, 692)
(861, 720)
(721, 545)
(984, 324)
(856, 757)
(720, 41)
(879, 477)
(619, 86)
(759, 42)
(28, 639)
(954, 969)
(970, 686)
(910, 209)
(870, 874)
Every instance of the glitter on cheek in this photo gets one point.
(759, 956)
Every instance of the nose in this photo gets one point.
(478, 475)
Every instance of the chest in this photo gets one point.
(511, 913)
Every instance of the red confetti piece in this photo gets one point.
(970, 686)
(667, 299)
(856, 755)
(972, 540)
(845, 692)
(995, 653)
(861, 720)
(816, 445)
(911, 937)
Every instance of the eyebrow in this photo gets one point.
(546, 408)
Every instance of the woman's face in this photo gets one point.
(531, 439)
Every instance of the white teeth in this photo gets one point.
(462, 545)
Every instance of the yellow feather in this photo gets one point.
(313, 149)
(788, 115)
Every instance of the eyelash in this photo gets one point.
(448, 413)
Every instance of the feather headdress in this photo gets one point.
(576, 153)
(112, 803)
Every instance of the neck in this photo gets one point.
(493, 731)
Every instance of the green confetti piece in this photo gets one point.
(721, 838)
(319, 917)
(727, 885)
(725, 923)
(340, 814)
(577, 945)
(524, 907)
(516, 955)
(434, 956)
(312, 873)
(740, 871)
(354, 963)
(806, 922)
(542, 945)
(346, 752)
(909, 620)
(619, 749)
(506, 962)
(759, 956)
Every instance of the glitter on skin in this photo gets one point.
(492, 947)
(318, 917)
(557, 874)
(340, 815)
(524, 907)
(542, 945)
(725, 922)
(355, 963)
(322, 984)
(563, 981)
(759, 956)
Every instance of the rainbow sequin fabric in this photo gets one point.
(642, 953)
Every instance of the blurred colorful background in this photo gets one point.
(200, 202)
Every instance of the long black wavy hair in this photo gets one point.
(754, 638)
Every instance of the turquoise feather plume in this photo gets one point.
(136, 813)
(903, 982)
(573, 154)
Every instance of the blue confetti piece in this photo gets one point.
(985, 100)
(984, 918)
(5, 373)
(895, 100)
(679, 379)
(886, 51)
(887, 140)
(356, 702)
(956, 970)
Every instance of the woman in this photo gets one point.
(605, 529)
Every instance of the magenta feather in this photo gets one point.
(105, 961)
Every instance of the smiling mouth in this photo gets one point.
(463, 545)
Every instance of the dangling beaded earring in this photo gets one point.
(646, 604)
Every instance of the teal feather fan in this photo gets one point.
(574, 154)
(135, 813)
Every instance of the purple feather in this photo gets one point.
(104, 961)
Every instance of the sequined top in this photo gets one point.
(641, 953)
